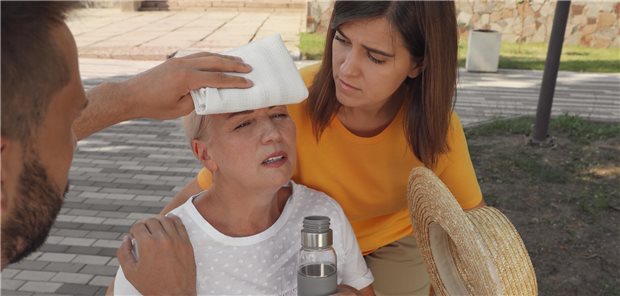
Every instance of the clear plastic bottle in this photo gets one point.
(316, 263)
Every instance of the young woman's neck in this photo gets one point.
(236, 211)
(369, 121)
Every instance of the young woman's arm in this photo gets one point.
(457, 170)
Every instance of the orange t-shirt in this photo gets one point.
(368, 175)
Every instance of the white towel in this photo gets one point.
(276, 81)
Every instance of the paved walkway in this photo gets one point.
(129, 171)
(153, 35)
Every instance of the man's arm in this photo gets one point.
(161, 92)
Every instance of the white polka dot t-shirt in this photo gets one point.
(264, 263)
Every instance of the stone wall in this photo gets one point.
(318, 15)
(593, 24)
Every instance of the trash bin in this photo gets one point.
(483, 51)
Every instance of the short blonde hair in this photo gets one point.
(195, 126)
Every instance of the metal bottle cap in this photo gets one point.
(316, 233)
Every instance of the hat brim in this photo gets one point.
(475, 253)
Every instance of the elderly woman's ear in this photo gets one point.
(199, 148)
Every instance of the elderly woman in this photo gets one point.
(245, 229)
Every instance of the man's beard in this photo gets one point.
(34, 212)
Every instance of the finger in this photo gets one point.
(219, 64)
(180, 227)
(234, 58)
(125, 257)
(207, 54)
(142, 235)
(139, 230)
(168, 226)
(185, 105)
(200, 79)
(156, 228)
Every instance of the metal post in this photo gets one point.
(550, 74)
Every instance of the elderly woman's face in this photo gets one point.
(254, 148)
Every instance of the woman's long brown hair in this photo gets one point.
(429, 31)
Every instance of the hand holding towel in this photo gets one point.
(276, 81)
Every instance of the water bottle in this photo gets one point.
(316, 263)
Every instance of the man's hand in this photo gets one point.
(162, 92)
(166, 264)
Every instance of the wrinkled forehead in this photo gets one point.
(205, 126)
(217, 120)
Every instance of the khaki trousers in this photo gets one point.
(399, 269)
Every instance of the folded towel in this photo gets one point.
(276, 81)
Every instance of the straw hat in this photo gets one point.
(473, 253)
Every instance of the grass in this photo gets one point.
(583, 131)
(532, 56)
(572, 126)
(529, 56)
(311, 45)
(597, 199)
(539, 169)
(519, 125)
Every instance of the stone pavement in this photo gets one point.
(483, 97)
(129, 171)
(153, 35)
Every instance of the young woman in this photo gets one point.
(246, 228)
(381, 103)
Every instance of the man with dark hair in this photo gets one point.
(45, 111)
